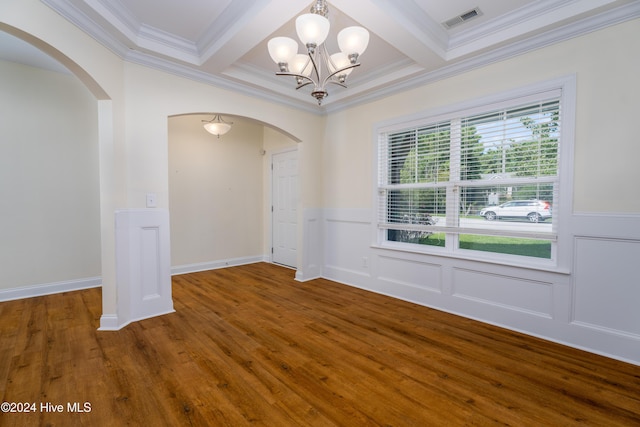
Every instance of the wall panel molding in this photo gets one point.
(591, 308)
(311, 258)
(605, 285)
(417, 274)
(531, 297)
(611, 226)
(143, 267)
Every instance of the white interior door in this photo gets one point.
(285, 194)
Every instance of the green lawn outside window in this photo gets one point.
(496, 244)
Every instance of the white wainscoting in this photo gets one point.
(607, 290)
(596, 307)
(143, 267)
(411, 278)
(311, 241)
(533, 297)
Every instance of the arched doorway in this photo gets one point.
(220, 191)
(99, 185)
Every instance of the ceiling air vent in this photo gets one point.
(453, 22)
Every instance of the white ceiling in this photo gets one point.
(224, 42)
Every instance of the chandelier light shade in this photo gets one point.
(312, 29)
(353, 40)
(217, 126)
(300, 64)
(340, 61)
(282, 49)
(317, 67)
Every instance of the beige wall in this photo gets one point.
(606, 149)
(49, 181)
(215, 191)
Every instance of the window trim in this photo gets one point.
(562, 248)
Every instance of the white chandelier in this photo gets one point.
(317, 67)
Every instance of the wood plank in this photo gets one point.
(251, 346)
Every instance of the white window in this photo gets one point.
(484, 180)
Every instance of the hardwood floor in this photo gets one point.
(250, 346)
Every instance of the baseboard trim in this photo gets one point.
(214, 265)
(302, 277)
(49, 288)
(110, 322)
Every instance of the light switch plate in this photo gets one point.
(151, 200)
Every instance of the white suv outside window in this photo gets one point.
(533, 210)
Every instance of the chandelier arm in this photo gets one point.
(335, 82)
(338, 72)
(315, 66)
(329, 59)
(310, 80)
(305, 84)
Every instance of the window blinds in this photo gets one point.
(440, 175)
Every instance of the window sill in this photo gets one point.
(476, 256)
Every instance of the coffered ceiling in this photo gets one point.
(224, 42)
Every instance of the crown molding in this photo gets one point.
(589, 24)
(168, 44)
(510, 20)
(117, 16)
(534, 16)
(170, 67)
(235, 15)
(85, 23)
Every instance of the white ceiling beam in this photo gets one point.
(403, 25)
(251, 26)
